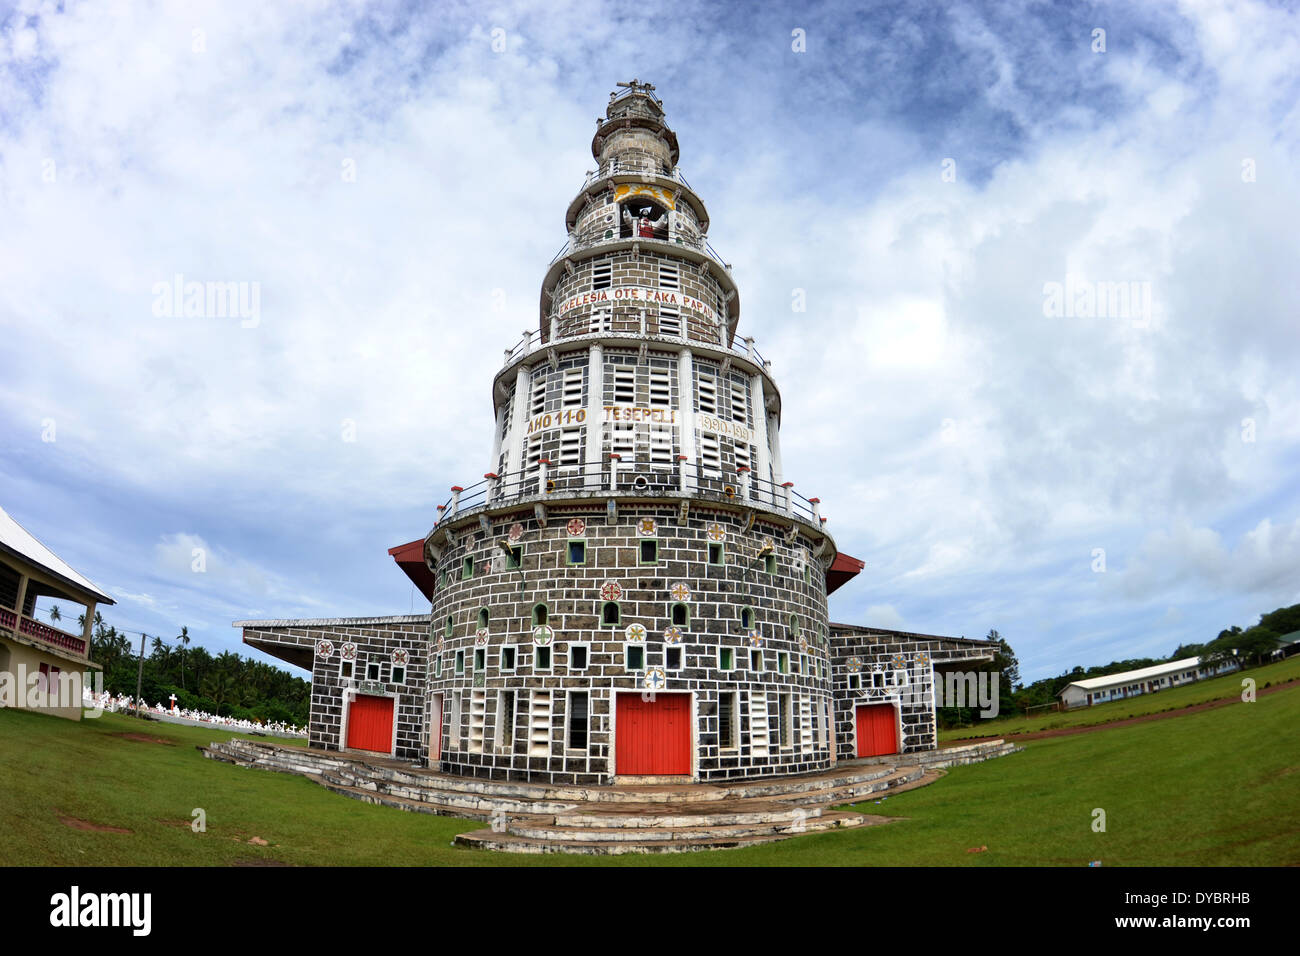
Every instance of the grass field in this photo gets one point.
(1215, 788)
(1229, 685)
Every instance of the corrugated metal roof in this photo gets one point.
(1142, 673)
(23, 543)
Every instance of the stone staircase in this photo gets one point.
(666, 818)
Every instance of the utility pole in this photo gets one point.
(139, 677)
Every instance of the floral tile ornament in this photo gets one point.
(325, 649)
(516, 531)
(348, 651)
(672, 634)
(577, 527)
(611, 591)
(543, 635)
(646, 527)
(400, 656)
(635, 633)
(680, 591)
(655, 678)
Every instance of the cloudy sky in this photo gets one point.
(392, 180)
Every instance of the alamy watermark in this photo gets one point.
(39, 690)
(920, 686)
(1079, 298)
(209, 300)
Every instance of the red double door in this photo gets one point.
(654, 736)
(877, 730)
(370, 724)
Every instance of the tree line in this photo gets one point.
(225, 684)
(1245, 647)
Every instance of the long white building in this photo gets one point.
(1144, 680)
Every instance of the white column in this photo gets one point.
(518, 425)
(763, 465)
(774, 435)
(592, 437)
(686, 407)
(494, 465)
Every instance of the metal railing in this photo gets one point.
(699, 244)
(635, 324)
(615, 477)
(624, 167)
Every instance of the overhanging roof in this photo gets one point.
(410, 558)
(20, 542)
(842, 570)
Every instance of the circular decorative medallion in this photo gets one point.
(516, 531)
(646, 526)
(672, 634)
(923, 658)
(611, 591)
(348, 652)
(655, 678)
(803, 643)
(899, 661)
(543, 635)
(635, 632)
(716, 532)
(681, 592)
(481, 636)
(854, 664)
(755, 638)
(576, 526)
(325, 649)
(400, 656)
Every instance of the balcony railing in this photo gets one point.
(633, 323)
(613, 477)
(42, 632)
(701, 245)
(624, 167)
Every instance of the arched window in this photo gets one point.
(447, 630)
(747, 618)
(681, 615)
(482, 617)
(609, 613)
(541, 614)
(794, 626)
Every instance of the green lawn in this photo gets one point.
(1219, 787)
(1173, 698)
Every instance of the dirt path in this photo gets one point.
(1127, 722)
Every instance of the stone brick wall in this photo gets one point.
(789, 616)
(375, 640)
(878, 666)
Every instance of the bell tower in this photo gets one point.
(634, 559)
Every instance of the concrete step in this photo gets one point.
(853, 792)
(681, 834)
(475, 800)
(667, 841)
(736, 813)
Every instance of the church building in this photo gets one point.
(634, 589)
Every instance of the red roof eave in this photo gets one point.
(410, 558)
(842, 570)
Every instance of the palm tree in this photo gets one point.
(183, 639)
(55, 613)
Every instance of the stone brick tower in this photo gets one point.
(634, 589)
